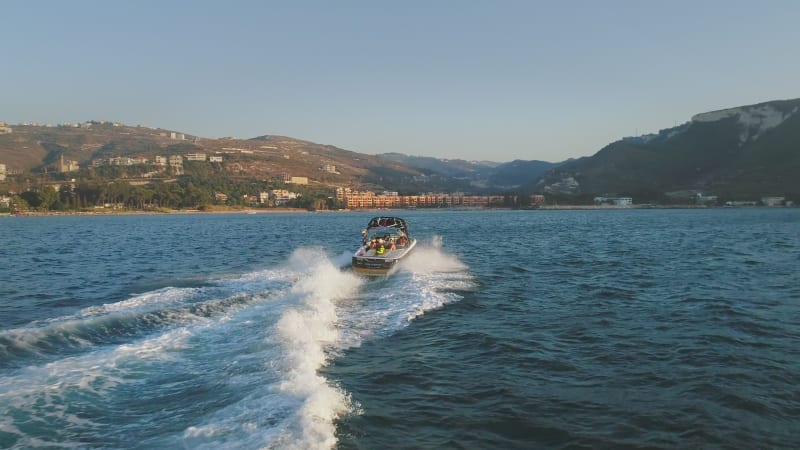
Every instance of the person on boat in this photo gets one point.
(364, 237)
(402, 239)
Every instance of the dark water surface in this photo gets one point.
(507, 329)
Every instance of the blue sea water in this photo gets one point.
(505, 329)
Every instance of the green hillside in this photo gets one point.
(737, 154)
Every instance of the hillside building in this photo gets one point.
(67, 165)
(701, 199)
(287, 178)
(615, 201)
(195, 156)
(367, 199)
(341, 193)
(280, 197)
(2, 172)
(5, 129)
(161, 161)
(537, 200)
(215, 159)
(176, 164)
(773, 201)
(120, 161)
(741, 203)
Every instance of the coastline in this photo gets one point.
(251, 211)
(155, 213)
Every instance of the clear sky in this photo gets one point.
(492, 80)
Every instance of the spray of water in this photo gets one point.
(431, 258)
(304, 332)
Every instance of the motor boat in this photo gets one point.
(384, 243)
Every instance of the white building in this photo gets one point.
(705, 199)
(161, 160)
(342, 193)
(298, 180)
(616, 201)
(196, 157)
(120, 161)
(773, 201)
(282, 196)
(2, 172)
(176, 160)
(215, 158)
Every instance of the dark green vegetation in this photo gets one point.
(738, 154)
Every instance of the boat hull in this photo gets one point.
(373, 265)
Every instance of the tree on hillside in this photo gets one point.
(32, 198)
(167, 195)
(87, 193)
(49, 197)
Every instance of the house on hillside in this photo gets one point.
(196, 157)
(701, 199)
(280, 197)
(773, 201)
(67, 165)
(615, 201)
(120, 161)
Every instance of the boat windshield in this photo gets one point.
(387, 222)
(384, 232)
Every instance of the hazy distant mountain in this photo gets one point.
(456, 168)
(481, 175)
(518, 173)
(737, 153)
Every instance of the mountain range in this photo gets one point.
(738, 153)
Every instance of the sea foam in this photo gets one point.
(305, 332)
